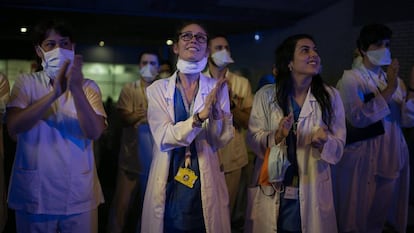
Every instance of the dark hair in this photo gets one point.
(185, 24)
(284, 54)
(372, 33)
(152, 52)
(214, 36)
(42, 30)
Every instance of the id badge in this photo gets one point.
(186, 177)
(291, 193)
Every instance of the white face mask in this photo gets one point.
(54, 59)
(278, 163)
(379, 57)
(222, 58)
(188, 67)
(148, 73)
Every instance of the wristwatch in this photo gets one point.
(197, 122)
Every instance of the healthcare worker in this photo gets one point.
(55, 114)
(302, 121)
(372, 180)
(190, 119)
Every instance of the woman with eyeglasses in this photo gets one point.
(302, 121)
(189, 117)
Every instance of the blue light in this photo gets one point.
(256, 37)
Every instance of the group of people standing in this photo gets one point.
(184, 151)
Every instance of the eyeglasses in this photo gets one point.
(187, 36)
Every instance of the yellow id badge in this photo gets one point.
(186, 177)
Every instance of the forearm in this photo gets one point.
(20, 120)
(91, 123)
(130, 118)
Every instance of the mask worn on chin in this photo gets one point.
(54, 59)
(188, 67)
(148, 73)
(379, 57)
(222, 58)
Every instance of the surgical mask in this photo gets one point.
(148, 73)
(54, 59)
(164, 74)
(379, 57)
(188, 67)
(278, 163)
(222, 58)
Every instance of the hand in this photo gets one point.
(392, 74)
(211, 103)
(285, 124)
(141, 115)
(319, 138)
(61, 81)
(75, 74)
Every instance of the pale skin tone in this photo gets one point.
(392, 71)
(139, 116)
(240, 115)
(195, 51)
(305, 64)
(68, 79)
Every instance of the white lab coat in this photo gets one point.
(384, 156)
(169, 135)
(315, 187)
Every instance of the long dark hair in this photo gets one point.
(283, 56)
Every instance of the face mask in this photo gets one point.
(278, 163)
(379, 57)
(148, 73)
(164, 74)
(222, 58)
(53, 60)
(188, 67)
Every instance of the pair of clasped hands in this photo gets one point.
(211, 105)
(69, 78)
(319, 135)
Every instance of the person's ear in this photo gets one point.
(175, 48)
(275, 72)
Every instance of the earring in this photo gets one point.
(290, 67)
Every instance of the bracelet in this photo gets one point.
(199, 118)
(197, 122)
(410, 89)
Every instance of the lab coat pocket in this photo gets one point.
(262, 209)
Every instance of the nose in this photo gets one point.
(314, 53)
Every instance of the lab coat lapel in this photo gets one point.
(305, 123)
(169, 95)
(203, 90)
(308, 105)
